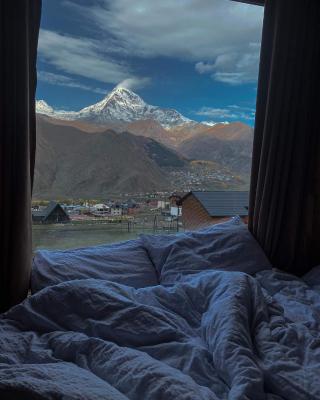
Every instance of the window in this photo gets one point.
(140, 103)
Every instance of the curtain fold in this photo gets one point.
(19, 29)
(284, 212)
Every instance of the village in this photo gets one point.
(156, 211)
(144, 211)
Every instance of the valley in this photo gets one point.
(122, 145)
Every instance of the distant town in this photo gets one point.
(151, 210)
(166, 211)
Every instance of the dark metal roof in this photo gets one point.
(254, 2)
(47, 211)
(223, 203)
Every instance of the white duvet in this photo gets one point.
(215, 335)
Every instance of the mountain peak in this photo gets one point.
(43, 107)
(121, 89)
(122, 93)
(121, 104)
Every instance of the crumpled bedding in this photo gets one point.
(214, 335)
(228, 246)
(154, 259)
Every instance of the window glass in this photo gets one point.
(138, 104)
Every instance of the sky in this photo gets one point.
(200, 57)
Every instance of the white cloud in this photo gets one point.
(221, 37)
(203, 67)
(232, 112)
(62, 80)
(134, 83)
(82, 56)
(233, 68)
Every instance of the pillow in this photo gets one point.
(227, 246)
(126, 262)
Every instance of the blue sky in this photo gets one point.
(197, 56)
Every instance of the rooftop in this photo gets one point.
(47, 211)
(222, 203)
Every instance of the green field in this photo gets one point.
(65, 236)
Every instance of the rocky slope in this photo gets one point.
(71, 163)
(229, 145)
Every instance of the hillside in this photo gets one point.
(85, 126)
(229, 145)
(74, 163)
(124, 145)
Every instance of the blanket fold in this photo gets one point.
(215, 335)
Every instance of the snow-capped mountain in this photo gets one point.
(212, 123)
(119, 105)
(44, 108)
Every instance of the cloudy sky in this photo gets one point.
(198, 56)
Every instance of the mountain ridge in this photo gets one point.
(120, 104)
(73, 163)
(121, 144)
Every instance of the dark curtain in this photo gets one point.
(284, 212)
(19, 28)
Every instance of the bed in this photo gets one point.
(198, 315)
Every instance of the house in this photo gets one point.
(101, 207)
(53, 213)
(76, 209)
(152, 204)
(132, 207)
(163, 204)
(128, 207)
(205, 208)
(116, 211)
(175, 208)
(100, 210)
